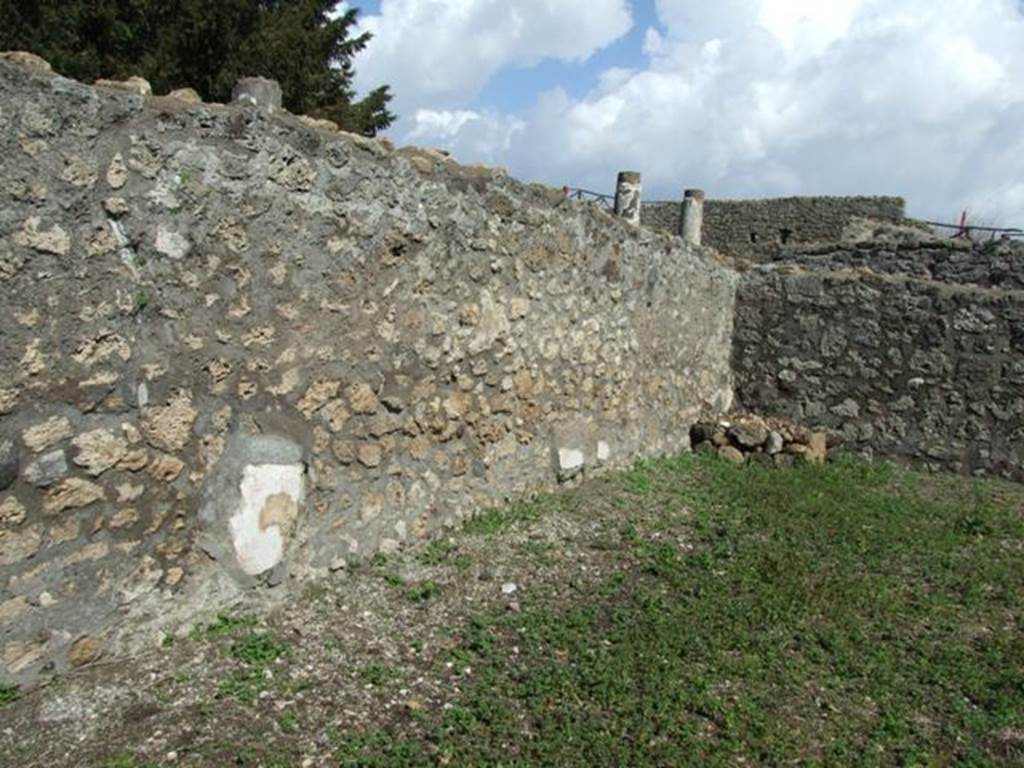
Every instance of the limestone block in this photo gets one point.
(117, 172)
(19, 545)
(817, 448)
(730, 453)
(98, 451)
(27, 60)
(257, 92)
(187, 95)
(165, 468)
(46, 435)
(79, 171)
(169, 427)
(324, 125)
(363, 399)
(73, 493)
(134, 84)
(172, 244)
(84, 651)
(749, 433)
(20, 655)
(116, 206)
(68, 529)
(124, 518)
(493, 324)
(318, 394)
(12, 609)
(570, 463)
(370, 455)
(12, 512)
(53, 240)
(336, 415)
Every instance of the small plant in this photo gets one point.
(419, 593)
(436, 552)
(376, 673)
(258, 650)
(288, 723)
(221, 626)
(124, 761)
(141, 302)
(638, 479)
(494, 521)
(537, 549)
(244, 685)
(8, 694)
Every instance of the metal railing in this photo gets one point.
(575, 193)
(965, 230)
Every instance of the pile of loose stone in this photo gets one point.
(751, 438)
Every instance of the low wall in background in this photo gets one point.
(756, 229)
(998, 264)
(241, 349)
(895, 366)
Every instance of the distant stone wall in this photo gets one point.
(241, 349)
(755, 229)
(997, 264)
(896, 366)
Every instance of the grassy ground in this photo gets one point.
(687, 612)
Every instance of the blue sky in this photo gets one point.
(745, 98)
(515, 89)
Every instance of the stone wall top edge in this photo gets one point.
(163, 104)
(797, 199)
(785, 270)
(20, 76)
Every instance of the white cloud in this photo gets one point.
(439, 123)
(447, 50)
(923, 98)
(483, 136)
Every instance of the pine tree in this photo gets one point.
(207, 46)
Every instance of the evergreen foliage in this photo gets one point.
(207, 46)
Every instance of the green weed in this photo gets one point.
(853, 614)
(8, 694)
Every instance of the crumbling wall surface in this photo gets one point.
(239, 349)
(755, 229)
(998, 264)
(896, 366)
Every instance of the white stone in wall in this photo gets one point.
(172, 244)
(271, 497)
(570, 462)
(604, 451)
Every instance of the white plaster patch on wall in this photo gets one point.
(271, 497)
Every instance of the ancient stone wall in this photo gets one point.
(756, 229)
(241, 349)
(998, 264)
(893, 365)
